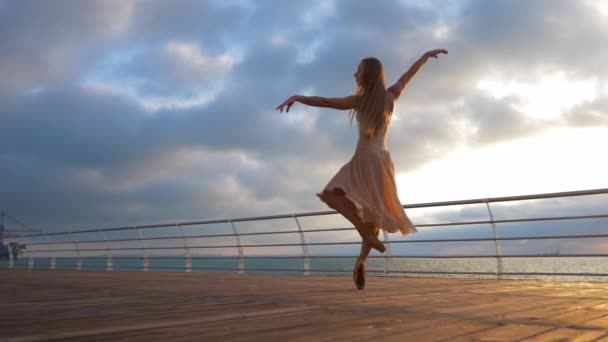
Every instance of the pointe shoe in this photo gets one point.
(359, 274)
(370, 234)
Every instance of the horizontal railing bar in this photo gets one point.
(194, 236)
(494, 256)
(470, 201)
(434, 272)
(274, 269)
(511, 198)
(237, 246)
(544, 237)
(236, 257)
(118, 267)
(443, 240)
(355, 256)
(557, 274)
(192, 247)
(102, 230)
(202, 257)
(557, 218)
(334, 229)
(548, 237)
(319, 213)
(494, 273)
(596, 255)
(448, 224)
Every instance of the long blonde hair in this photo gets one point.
(371, 98)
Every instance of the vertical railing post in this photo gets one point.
(304, 247)
(10, 252)
(240, 249)
(30, 258)
(387, 254)
(79, 260)
(109, 261)
(53, 262)
(145, 265)
(496, 243)
(188, 266)
(11, 261)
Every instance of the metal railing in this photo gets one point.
(287, 243)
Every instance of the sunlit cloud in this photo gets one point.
(279, 40)
(600, 6)
(185, 165)
(307, 53)
(442, 32)
(192, 57)
(318, 12)
(545, 99)
(193, 77)
(561, 160)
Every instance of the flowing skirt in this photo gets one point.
(368, 181)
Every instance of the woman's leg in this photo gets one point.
(359, 271)
(365, 249)
(336, 200)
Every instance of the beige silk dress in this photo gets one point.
(368, 181)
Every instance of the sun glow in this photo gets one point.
(546, 99)
(600, 7)
(562, 160)
(442, 32)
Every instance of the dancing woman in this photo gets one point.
(364, 189)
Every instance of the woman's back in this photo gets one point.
(379, 140)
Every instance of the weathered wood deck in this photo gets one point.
(137, 306)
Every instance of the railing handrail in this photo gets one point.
(331, 212)
(109, 243)
(441, 224)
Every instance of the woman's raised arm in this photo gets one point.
(342, 103)
(405, 79)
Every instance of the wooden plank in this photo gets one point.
(565, 334)
(144, 306)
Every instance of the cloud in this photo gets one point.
(174, 75)
(61, 43)
(123, 112)
(589, 114)
(520, 35)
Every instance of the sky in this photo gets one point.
(127, 112)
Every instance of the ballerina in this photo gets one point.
(364, 189)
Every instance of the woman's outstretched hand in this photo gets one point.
(287, 104)
(435, 53)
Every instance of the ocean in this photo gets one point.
(379, 266)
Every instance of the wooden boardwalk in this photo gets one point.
(136, 306)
